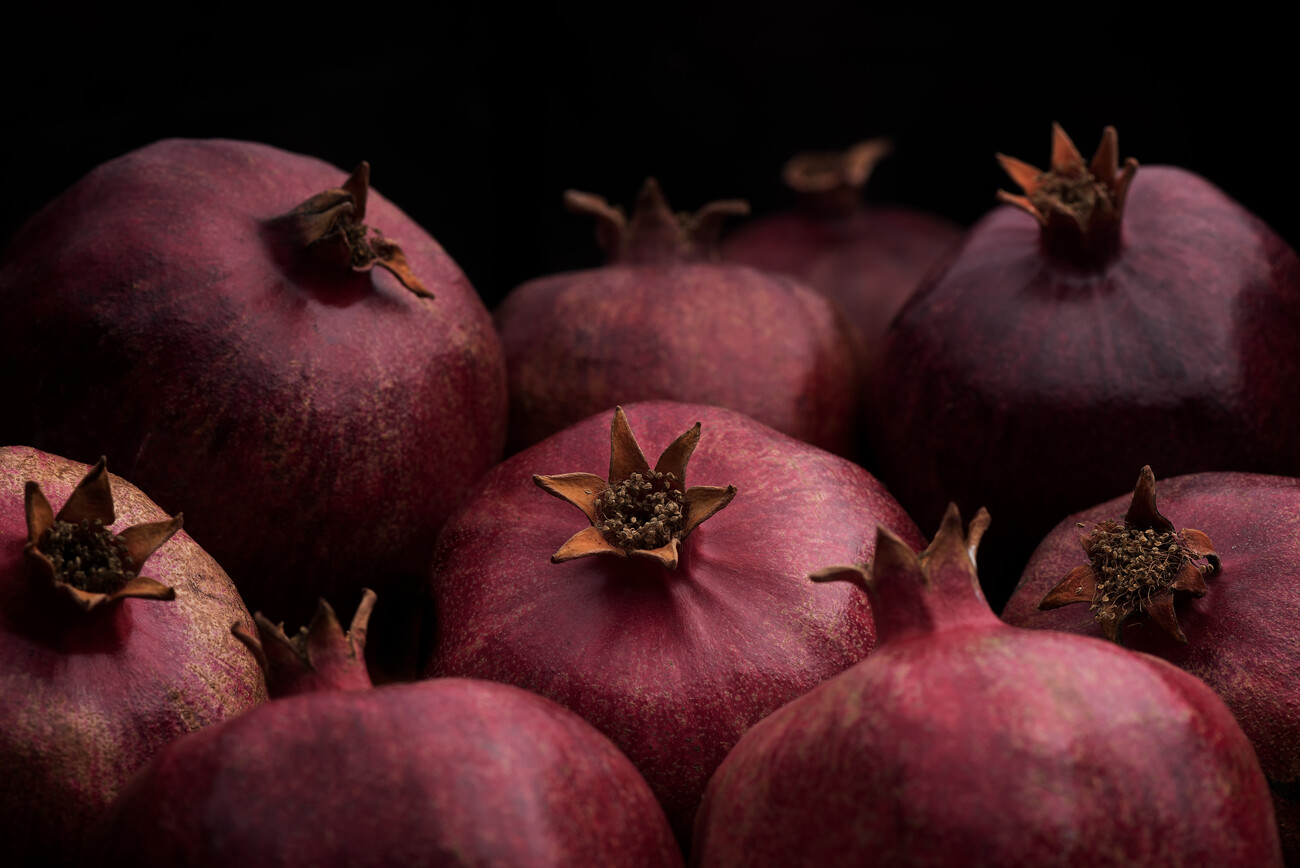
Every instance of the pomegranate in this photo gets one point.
(112, 645)
(662, 322)
(866, 259)
(670, 633)
(962, 741)
(210, 310)
(443, 772)
(1062, 343)
(1235, 627)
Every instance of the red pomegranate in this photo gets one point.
(112, 644)
(662, 321)
(868, 259)
(964, 742)
(670, 633)
(208, 311)
(1112, 317)
(442, 772)
(1234, 627)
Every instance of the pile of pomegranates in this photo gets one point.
(741, 653)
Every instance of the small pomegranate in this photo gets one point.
(443, 772)
(1109, 317)
(661, 321)
(672, 617)
(868, 259)
(964, 742)
(1164, 591)
(226, 310)
(112, 644)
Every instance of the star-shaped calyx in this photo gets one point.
(329, 226)
(1079, 205)
(1136, 566)
(80, 556)
(320, 656)
(637, 512)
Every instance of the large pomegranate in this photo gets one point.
(671, 633)
(868, 259)
(662, 321)
(112, 645)
(964, 742)
(1107, 318)
(442, 772)
(1161, 589)
(209, 313)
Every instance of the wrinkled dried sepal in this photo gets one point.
(1079, 586)
(142, 540)
(611, 222)
(1142, 510)
(585, 543)
(40, 515)
(579, 489)
(853, 574)
(666, 555)
(625, 456)
(91, 500)
(1161, 611)
(678, 454)
(1200, 546)
(703, 502)
(1190, 580)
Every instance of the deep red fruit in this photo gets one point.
(207, 311)
(868, 260)
(661, 321)
(104, 661)
(675, 634)
(964, 742)
(444, 772)
(1060, 346)
(1240, 635)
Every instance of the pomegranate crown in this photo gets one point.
(1079, 205)
(831, 182)
(1137, 566)
(655, 234)
(637, 512)
(318, 656)
(80, 556)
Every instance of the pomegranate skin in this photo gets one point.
(1241, 636)
(280, 404)
(868, 261)
(964, 742)
(674, 665)
(86, 698)
(446, 772)
(1023, 382)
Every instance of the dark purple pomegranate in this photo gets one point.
(963, 742)
(663, 321)
(207, 311)
(113, 643)
(670, 633)
(868, 259)
(1161, 588)
(443, 772)
(1112, 317)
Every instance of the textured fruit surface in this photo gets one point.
(1242, 637)
(316, 425)
(444, 772)
(672, 665)
(87, 697)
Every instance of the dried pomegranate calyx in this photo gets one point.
(655, 235)
(1136, 567)
(330, 226)
(638, 511)
(1080, 206)
(76, 552)
(830, 183)
(291, 664)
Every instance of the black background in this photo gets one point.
(475, 120)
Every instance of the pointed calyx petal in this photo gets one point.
(1161, 610)
(579, 489)
(654, 234)
(142, 540)
(1065, 156)
(851, 573)
(625, 456)
(665, 555)
(1190, 581)
(143, 588)
(1078, 586)
(585, 543)
(1142, 510)
(40, 515)
(1025, 176)
(675, 458)
(704, 501)
(611, 222)
(91, 500)
(1199, 545)
(704, 227)
(328, 227)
